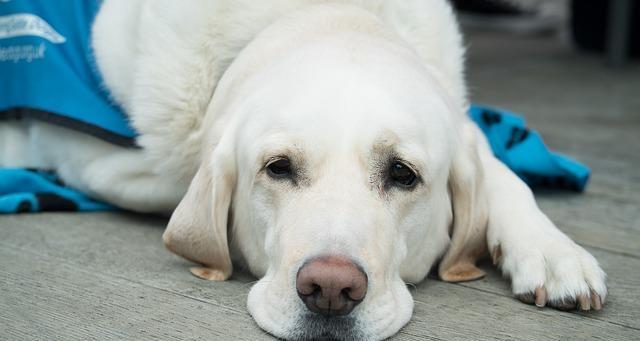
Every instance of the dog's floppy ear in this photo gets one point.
(470, 212)
(197, 230)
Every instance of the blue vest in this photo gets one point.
(48, 71)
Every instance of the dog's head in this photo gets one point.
(335, 170)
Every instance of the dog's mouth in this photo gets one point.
(317, 327)
(385, 310)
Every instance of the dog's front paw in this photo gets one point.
(553, 271)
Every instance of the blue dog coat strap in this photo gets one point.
(23, 190)
(524, 152)
(48, 70)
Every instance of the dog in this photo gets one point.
(321, 144)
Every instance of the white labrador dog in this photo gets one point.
(327, 148)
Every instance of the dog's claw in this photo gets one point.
(541, 297)
(596, 301)
(584, 303)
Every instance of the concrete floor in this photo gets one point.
(106, 276)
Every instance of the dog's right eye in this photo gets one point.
(280, 168)
(402, 175)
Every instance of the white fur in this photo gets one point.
(222, 86)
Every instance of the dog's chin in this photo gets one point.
(315, 327)
(287, 318)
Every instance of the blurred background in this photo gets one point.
(611, 27)
(571, 66)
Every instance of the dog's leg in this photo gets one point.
(120, 176)
(544, 265)
(127, 180)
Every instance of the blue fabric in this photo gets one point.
(47, 66)
(23, 190)
(524, 152)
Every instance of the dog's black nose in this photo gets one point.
(331, 285)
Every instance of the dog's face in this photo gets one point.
(348, 168)
(335, 167)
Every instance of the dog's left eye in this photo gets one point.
(402, 175)
(280, 168)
